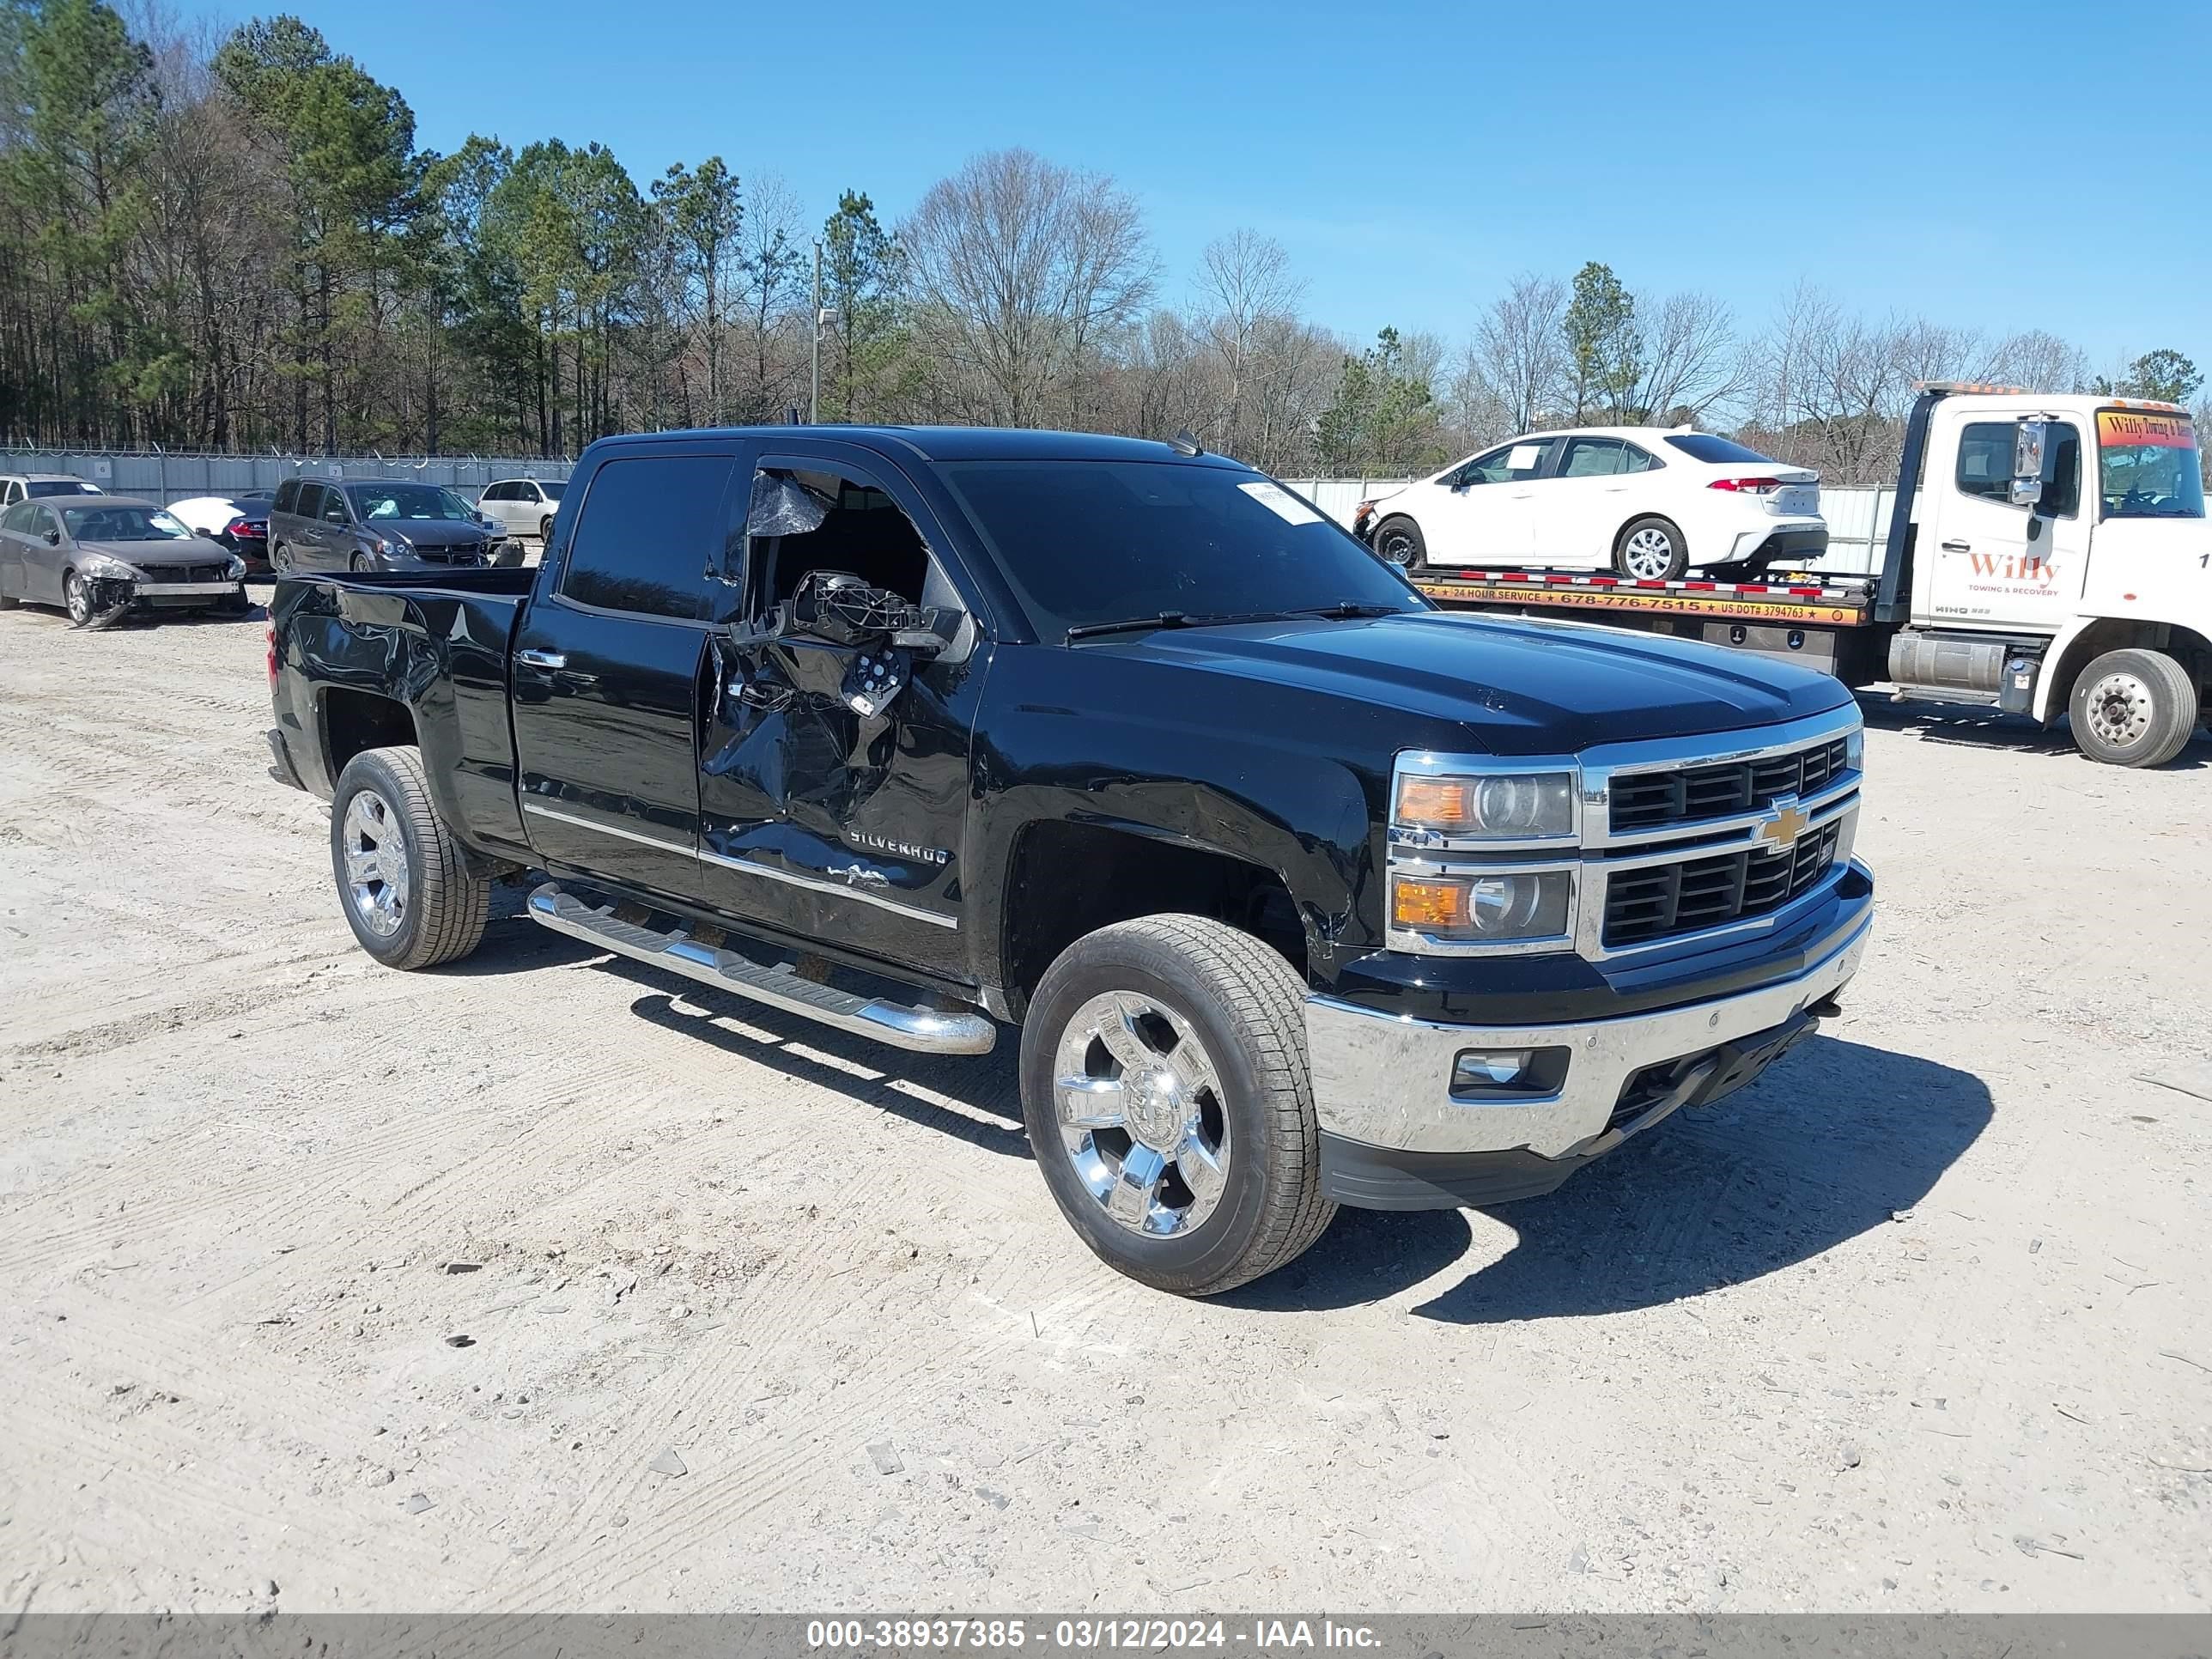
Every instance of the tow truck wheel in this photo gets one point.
(402, 879)
(1165, 1092)
(1651, 551)
(1400, 541)
(2133, 708)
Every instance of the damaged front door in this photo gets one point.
(834, 766)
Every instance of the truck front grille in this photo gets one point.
(1654, 800)
(1660, 900)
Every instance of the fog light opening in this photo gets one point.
(1505, 1073)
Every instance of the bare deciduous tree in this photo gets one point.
(1518, 351)
(1690, 360)
(1021, 269)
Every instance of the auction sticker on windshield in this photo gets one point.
(1280, 501)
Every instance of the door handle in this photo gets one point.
(536, 659)
(1958, 547)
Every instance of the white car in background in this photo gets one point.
(525, 506)
(1648, 502)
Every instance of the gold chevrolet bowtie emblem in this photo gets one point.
(1780, 833)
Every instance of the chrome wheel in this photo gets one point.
(375, 864)
(78, 597)
(2120, 710)
(280, 559)
(1140, 1114)
(1648, 554)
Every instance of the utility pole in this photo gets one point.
(814, 396)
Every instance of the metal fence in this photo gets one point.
(174, 476)
(1858, 516)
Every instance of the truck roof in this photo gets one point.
(959, 443)
(2078, 403)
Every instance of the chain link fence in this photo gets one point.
(176, 475)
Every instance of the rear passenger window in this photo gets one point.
(287, 492)
(650, 530)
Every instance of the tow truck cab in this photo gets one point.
(2046, 554)
(2043, 536)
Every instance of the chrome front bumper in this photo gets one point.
(1386, 1082)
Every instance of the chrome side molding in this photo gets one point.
(925, 1030)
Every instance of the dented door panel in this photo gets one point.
(819, 820)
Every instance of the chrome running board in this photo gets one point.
(928, 1030)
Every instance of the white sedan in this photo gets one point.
(1648, 502)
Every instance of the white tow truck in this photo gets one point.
(2047, 554)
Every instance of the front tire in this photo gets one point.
(401, 878)
(1166, 1090)
(2133, 708)
(1651, 551)
(76, 600)
(1398, 542)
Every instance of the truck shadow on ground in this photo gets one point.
(1972, 727)
(1838, 1140)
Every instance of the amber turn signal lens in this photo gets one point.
(1429, 904)
(1438, 803)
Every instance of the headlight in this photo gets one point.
(1483, 909)
(99, 568)
(1498, 806)
(394, 547)
(235, 568)
(1855, 749)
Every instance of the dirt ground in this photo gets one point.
(546, 1282)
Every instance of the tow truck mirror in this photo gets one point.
(2027, 441)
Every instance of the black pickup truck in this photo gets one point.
(1301, 891)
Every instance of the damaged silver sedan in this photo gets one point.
(112, 557)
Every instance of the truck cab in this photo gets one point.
(2053, 555)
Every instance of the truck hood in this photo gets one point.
(1520, 687)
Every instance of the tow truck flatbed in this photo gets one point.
(1822, 602)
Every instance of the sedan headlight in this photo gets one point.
(1494, 806)
(235, 568)
(99, 568)
(1505, 907)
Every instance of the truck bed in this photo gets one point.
(433, 641)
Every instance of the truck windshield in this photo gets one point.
(1091, 542)
(2147, 465)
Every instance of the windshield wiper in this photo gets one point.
(1172, 619)
(1349, 609)
(1343, 609)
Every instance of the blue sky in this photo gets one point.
(1998, 166)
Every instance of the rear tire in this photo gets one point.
(2133, 708)
(280, 560)
(1398, 542)
(1651, 550)
(1243, 1168)
(403, 879)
